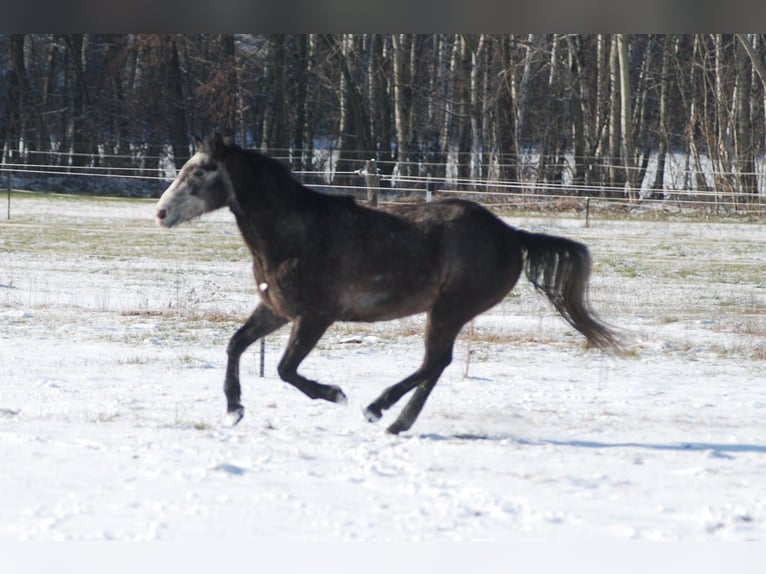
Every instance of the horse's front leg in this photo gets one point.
(305, 334)
(262, 322)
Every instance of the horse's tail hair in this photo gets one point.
(560, 268)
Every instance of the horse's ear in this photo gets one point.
(217, 144)
(198, 142)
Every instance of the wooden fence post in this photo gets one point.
(373, 181)
(10, 187)
(263, 356)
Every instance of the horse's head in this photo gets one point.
(202, 185)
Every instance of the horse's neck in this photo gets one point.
(256, 227)
(273, 210)
(274, 234)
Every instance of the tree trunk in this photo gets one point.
(18, 91)
(640, 132)
(400, 106)
(78, 131)
(578, 94)
(342, 164)
(693, 128)
(179, 131)
(46, 125)
(380, 100)
(519, 93)
(614, 155)
(274, 139)
(602, 116)
(548, 167)
(760, 71)
(745, 163)
(309, 104)
(626, 116)
(662, 129)
(504, 113)
(300, 65)
(447, 139)
(474, 109)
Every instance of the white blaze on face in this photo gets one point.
(201, 185)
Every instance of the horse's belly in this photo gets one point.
(381, 305)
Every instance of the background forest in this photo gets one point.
(583, 111)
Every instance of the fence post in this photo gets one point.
(263, 355)
(10, 186)
(587, 212)
(373, 181)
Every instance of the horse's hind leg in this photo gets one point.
(412, 409)
(441, 332)
(305, 334)
(262, 322)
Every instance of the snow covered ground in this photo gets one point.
(112, 350)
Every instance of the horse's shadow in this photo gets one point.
(715, 449)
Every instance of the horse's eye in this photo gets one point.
(199, 173)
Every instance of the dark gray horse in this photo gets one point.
(319, 258)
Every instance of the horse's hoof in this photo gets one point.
(398, 426)
(373, 415)
(234, 416)
(336, 395)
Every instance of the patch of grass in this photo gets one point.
(133, 360)
(627, 270)
(759, 352)
(105, 417)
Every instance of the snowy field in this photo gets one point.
(112, 352)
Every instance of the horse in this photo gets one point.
(319, 258)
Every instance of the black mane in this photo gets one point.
(262, 182)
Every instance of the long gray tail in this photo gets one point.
(560, 268)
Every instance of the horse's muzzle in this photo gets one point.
(161, 215)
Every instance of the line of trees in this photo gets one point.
(591, 108)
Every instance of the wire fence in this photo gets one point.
(149, 175)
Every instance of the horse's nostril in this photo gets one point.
(162, 213)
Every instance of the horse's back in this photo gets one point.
(416, 255)
(482, 254)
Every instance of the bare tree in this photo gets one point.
(663, 136)
(745, 162)
(626, 116)
(400, 105)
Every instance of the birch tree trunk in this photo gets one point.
(519, 91)
(694, 122)
(300, 66)
(578, 94)
(760, 70)
(549, 167)
(643, 143)
(309, 104)
(603, 111)
(400, 110)
(446, 138)
(662, 129)
(504, 113)
(475, 111)
(745, 162)
(626, 116)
